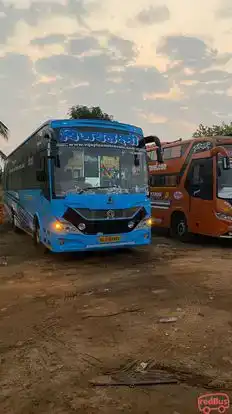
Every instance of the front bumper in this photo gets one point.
(79, 242)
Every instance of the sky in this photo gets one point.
(165, 66)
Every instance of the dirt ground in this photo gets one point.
(66, 320)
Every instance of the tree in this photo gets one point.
(2, 159)
(84, 112)
(214, 130)
(4, 131)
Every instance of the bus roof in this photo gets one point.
(59, 123)
(215, 139)
(179, 151)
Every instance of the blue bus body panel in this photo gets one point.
(91, 242)
(95, 123)
(28, 204)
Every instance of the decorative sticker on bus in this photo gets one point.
(202, 146)
(160, 200)
(157, 167)
(178, 195)
(160, 195)
(110, 167)
(72, 135)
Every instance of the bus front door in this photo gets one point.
(199, 185)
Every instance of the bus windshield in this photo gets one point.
(100, 169)
(224, 178)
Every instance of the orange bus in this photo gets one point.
(191, 186)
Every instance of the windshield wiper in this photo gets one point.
(83, 190)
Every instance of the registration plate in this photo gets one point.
(109, 239)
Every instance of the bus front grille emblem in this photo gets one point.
(110, 200)
(110, 214)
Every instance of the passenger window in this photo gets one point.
(199, 181)
(164, 180)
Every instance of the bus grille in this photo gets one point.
(102, 214)
(107, 226)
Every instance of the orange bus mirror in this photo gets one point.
(225, 163)
(153, 139)
(225, 158)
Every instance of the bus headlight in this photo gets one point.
(131, 224)
(81, 226)
(222, 216)
(145, 223)
(63, 226)
(58, 226)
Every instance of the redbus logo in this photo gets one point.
(219, 402)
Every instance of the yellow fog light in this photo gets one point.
(149, 221)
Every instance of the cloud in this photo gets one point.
(225, 11)
(26, 4)
(174, 94)
(57, 53)
(48, 40)
(80, 45)
(40, 19)
(155, 119)
(153, 15)
(188, 51)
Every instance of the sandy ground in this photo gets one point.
(66, 320)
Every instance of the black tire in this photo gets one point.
(179, 228)
(13, 223)
(36, 238)
(36, 234)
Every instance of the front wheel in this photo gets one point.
(36, 235)
(179, 228)
(37, 239)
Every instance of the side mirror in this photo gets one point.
(136, 161)
(153, 139)
(41, 176)
(223, 153)
(57, 161)
(55, 153)
(225, 163)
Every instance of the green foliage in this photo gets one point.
(84, 112)
(4, 132)
(214, 130)
(2, 158)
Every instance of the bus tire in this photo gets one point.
(36, 233)
(179, 227)
(36, 237)
(15, 228)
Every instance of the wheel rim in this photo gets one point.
(181, 228)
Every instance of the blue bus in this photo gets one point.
(78, 185)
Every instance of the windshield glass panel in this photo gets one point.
(224, 177)
(100, 169)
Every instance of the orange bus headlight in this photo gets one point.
(57, 226)
(63, 226)
(222, 216)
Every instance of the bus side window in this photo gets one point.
(164, 180)
(42, 161)
(199, 181)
